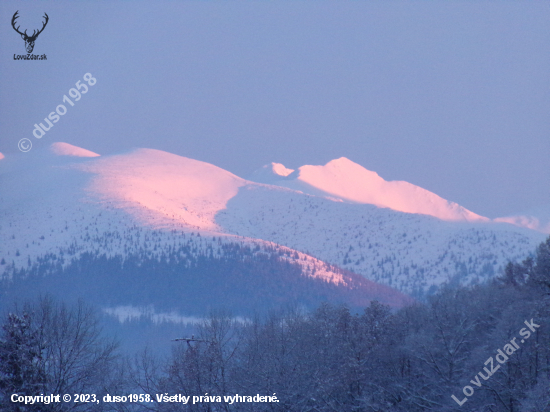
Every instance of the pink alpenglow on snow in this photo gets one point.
(530, 222)
(348, 181)
(281, 170)
(270, 173)
(157, 187)
(66, 149)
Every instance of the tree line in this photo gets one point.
(183, 278)
(329, 359)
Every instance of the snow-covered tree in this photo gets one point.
(21, 359)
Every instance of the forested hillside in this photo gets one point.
(183, 278)
(483, 348)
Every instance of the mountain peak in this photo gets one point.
(280, 169)
(66, 149)
(343, 162)
(346, 180)
(159, 187)
(270, 173)
(339, 172)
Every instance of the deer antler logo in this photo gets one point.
(29, 40)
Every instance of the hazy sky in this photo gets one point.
(453, 96)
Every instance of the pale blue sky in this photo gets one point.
(453, 96)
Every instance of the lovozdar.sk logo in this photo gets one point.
(29, 40)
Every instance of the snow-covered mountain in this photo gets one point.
(410, 252)
(348, 181)
(69, 200)
(65, 203)
(58, 200)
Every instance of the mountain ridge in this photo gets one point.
(346, 180)
(161, 191)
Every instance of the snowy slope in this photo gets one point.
(66, 149)
(69, 200)
(411, 252)
(537, 218)
(161, 189)
(346, 180)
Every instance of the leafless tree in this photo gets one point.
(70, 356)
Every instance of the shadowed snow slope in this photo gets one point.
(346, 180)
